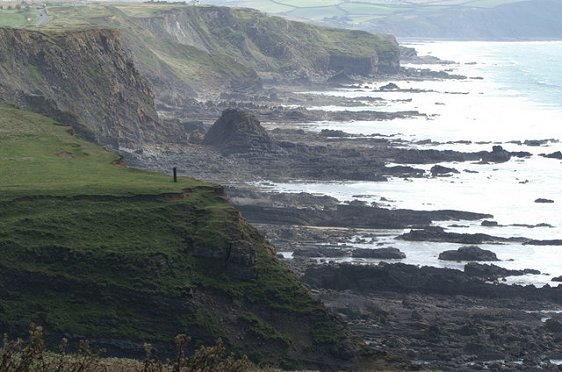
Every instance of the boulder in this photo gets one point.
(379, 253)
(557, 279)
(536, 143)
(468, 253)
(544, 201)
(489, 223)
(439, 170)
(498, 155)
(389, 86)
(438, 234)
(238, 131)
(554, 155)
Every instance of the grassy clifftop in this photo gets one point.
(93, 250)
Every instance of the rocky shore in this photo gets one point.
(437, 318)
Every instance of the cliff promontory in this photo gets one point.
(92, 250)
(83, 78)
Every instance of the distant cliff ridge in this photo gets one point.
(82, 78)
(200, 52)
(522, 20)
(276, 47)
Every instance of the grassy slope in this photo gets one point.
(90, 248)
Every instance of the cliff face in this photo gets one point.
(186, 52)
(82, 78)
(276, 47)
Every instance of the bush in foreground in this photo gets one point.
(31, 355)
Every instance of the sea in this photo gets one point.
(512, 98)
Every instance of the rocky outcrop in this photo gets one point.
(378, 253)
(469, 253)
(544, 201)
(493, 272)
(498, 155)
(238, 131)
(544, 242)
(439, 170)
(85, 79)
(438, 234)
(350, 216)
(554, 155)
(402, 278)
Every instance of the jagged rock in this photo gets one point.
(333, 133)
(438, 234)
(557, 279)
(403, 278)
(468, 253)
(389, 253)
(319, 251)
(439, 170)
(389, 86)
(544, 242)
(536, 143)
(238, 131)
(554, 155)
(493, 272)
(544, 201)
(521, 154)
(498, 155)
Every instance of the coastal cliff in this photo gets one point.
(92, 250)
(191, 52)
(83, 78)
(274, 46)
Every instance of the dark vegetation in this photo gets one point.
(31, 354)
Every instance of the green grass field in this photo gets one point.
(38, 157)
(17, 18)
